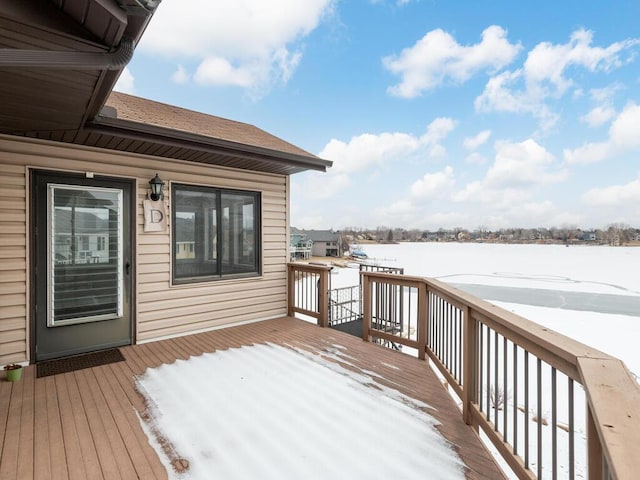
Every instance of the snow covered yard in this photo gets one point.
(267, 411)
(575, 291)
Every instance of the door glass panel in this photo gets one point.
(85, 254)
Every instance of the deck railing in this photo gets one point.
(308, 286)
(553, 407)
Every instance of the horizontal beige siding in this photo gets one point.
(13, 264)
(160, 308)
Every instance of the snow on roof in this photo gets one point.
(268, 411)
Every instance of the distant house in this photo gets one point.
(299, 246)
(325, 242)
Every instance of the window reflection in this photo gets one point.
(214, 232)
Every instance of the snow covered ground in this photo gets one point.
(272, 412)
(589, 269)
(237, 421)
(595, 280)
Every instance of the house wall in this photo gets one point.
(323, 248)
(160, 309)
(319, 249)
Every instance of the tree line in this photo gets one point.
(614, 234)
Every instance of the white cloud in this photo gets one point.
(598, 116)
(125, 83)
(475, 159)
(438, 57)
(370, 151)
(624, 196)
(497, 198)
(438, 130)
(548, 62)
(588, 153)
(471, 143)
(624, 136)
(180, 76)
(505, 194)
(367, 150)
(544, 75)
(500, 95)
(433, 184)
(535, 214)
(317, 186)
(603, 111)
(625, 130)
(251, 44)
(522, 165)
(605, 94)
(219, 71)
(401, 212)
(518, 169)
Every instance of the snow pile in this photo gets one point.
(267, 411)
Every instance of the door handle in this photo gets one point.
(127, 267)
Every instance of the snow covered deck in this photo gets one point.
(85, 424)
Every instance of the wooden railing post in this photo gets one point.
(594, 448)
(291, 287)
(470, 365)
(423, 302)
(323, 299)
(366, 307)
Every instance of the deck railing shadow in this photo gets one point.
(551, 406)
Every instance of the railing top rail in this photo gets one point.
(380, 268)
(615, 399)
(544, 338)
(309, 267)
(393, 278)
(613, 395)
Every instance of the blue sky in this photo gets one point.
(436, 113)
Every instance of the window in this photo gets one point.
(216, 233)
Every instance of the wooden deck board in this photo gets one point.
(9, 457)
(57, 457)
(42, 463)
(70, 436)
(142, 455)
(88, 442)
(25, 445)
(84, 424)
(5, 399)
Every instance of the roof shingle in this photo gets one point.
(141, 110)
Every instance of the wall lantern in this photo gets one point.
(156, 184)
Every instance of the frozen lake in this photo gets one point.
(590, 293)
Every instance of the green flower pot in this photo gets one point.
(14, 374)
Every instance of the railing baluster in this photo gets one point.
(495, 383)
(445, 339)
(515, 399)
(572, 458)
(539, 399)
(488, 387)
(480, 365)
(456, 345)
(554, 425)
(504, 390)
(526, 409)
